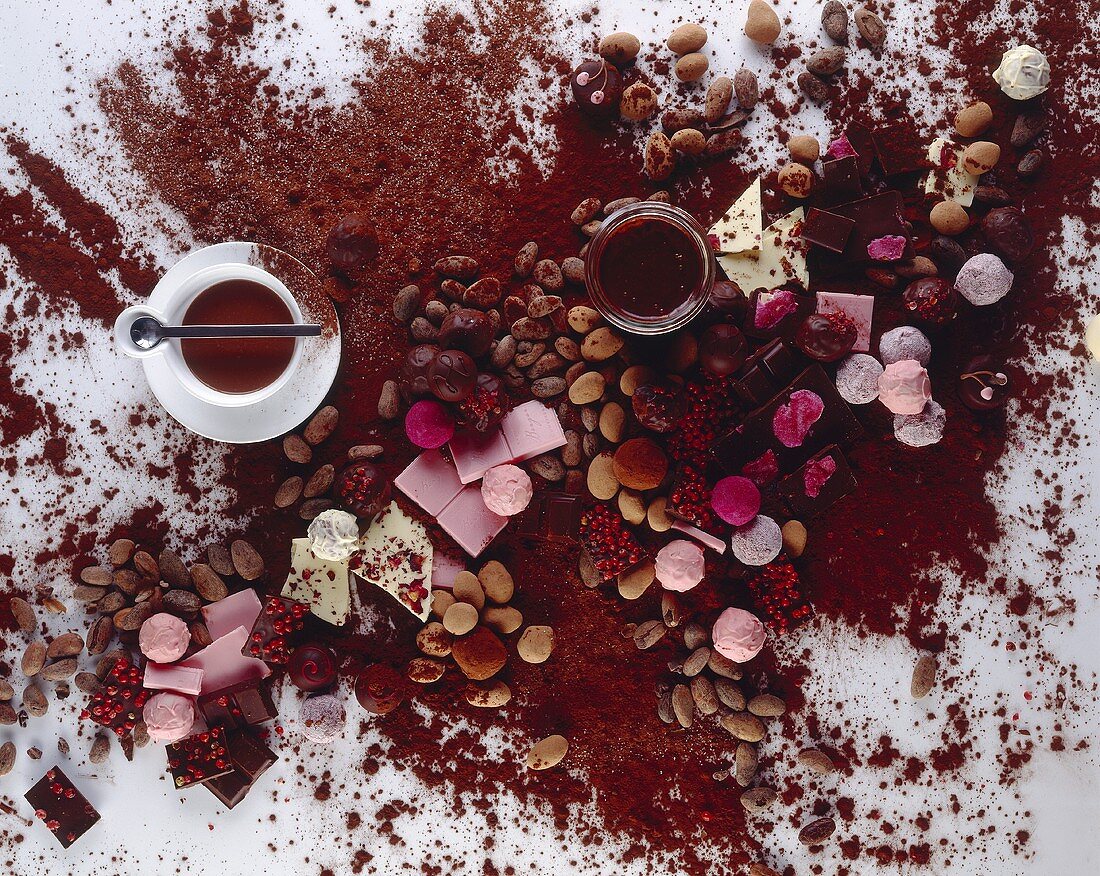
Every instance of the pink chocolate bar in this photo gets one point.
(711, 541)
(860, 309)
(531, 429)
(475, 453)
(469, 522)
(223, 664)
(175, 677)
(238, 610)
(445, 567)
(430, 480)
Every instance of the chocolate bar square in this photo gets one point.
(238, 705)
(863, 142)
(766, 372)
(551, 516)
(827, 229)
(251, 759)
(877, 216)
(822, 481)
(842, 181)
(64, 810)
(279, 619)
(199, 758)
(898, 148)
(776, 313)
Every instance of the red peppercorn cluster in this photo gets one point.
(777, 592)
(611, 545)
(711, 412)
(118, 703)
(689, 498)
(277, 623)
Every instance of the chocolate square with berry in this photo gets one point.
(823, 480)
(63, 809)
(279, 619)
(199, 758)
(118, 703)
(251, 759)
(238, 705)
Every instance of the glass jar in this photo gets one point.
(649, 268)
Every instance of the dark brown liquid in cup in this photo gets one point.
(237, 365)
(649, 267)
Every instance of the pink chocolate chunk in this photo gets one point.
(817, 475)
(238, 610)
(841, 147)
(860, 309)
(474, 453)
(531, 429)
(445, 567)
(762, 470)
(773, 307)
(431, 481)
(174, 677)
(887, 249)
(735, 499)
(793, 421)
(429, 424)
(705, 538)
(469, 522)
(223, 664)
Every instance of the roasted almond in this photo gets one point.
(323, 423)
(246, 560)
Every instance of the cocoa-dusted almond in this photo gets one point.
(834, 18)
(172, 570)
(120, 551)
(65, 645)
(59, 669)
(246, 560)
(458, 267)
(530, 329)
(548, 387)
(296, 450)
(691, 67)
(483, 294)
(762, 24)
(544, 305)
(702, 691)
(721, 665)
(747, 89)
(812, 87)
(33, 659)
(101, 748)
(7, 757)
(826, 61)
(767, 706)
(97, 576)
(34, 701)
(6, 690)
(689, 141)
(758, 799)
(217, 555)
(423, 329)
(639, 102)
(583, 319)
(100, 634)
(88, 682)
(8, 714)
(406, 302)
(719, 95)
(816, 760)
(536, 644)
(389, 401)
(742, 725)
(722, 142)
(525, 259)
(613, 206)
(730, 694)
(321, 425)
(547, 753)
(289, 492)
(674, 120)
(364, 451)
(585, 211)
(687, 38)
(660, 157)
(24, 615)
(488, 694)
(634, 582)
(424, 670)
(697, 662)
(208, 583)
(924, 676)
(816, 832)
(319, 482)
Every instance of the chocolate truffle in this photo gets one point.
(984, 384)
(322, 718)
(983, 280)
(659, 406)
(904, 342)
(363, 490)
(722, 349)
(826, 337)
(857, 379)
(727, 297)
(931, 299)
(597, 89)
(1008, 232)
(312, 667)
(467, 330)
(452, 375)
(486, 405)
(920, 430)
(414, 371)
(352, 242)
(379, 689)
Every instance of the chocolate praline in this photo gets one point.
(452, 375)
(727, 297)
(722, 349)
(984, 383)
(351, 242)
(379, 689)
(487, 404)
(467, 330)
(931, 299)
(1008, 232)
(659, 406)
(826, 337)
(363, 490)
(312, 667)
(414, 371)
(597, 88)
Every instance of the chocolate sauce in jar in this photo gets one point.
(237, 365)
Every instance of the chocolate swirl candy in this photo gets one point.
(312, 667)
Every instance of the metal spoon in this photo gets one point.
(148, 331)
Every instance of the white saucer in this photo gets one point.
(303, 393)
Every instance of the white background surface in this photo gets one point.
(148, 828)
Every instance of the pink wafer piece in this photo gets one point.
(174, 677)
(531, 429)
(430, 480)
(445, 567)
(223, 664)
(714, 543)
(474, 453)
(860, 309)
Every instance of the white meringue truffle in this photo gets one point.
(1023, 73)
(334, 535)
(984, 280)
(857, 379)
(1092, 337)
(757, 543)
(920, 430)
(904, 342)
(322, 718)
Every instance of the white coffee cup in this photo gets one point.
(173, 312)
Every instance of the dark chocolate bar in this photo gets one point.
(824, 479)
(251, 759)
(863, 142)
(279, 619)
(842, 180)
(766, 372)
(827, 230)
(803, 419)
(898, 148)
(238, 705)
(551, 516)
(776, 313)
(61, 807)
(199, 758)
(877, 216)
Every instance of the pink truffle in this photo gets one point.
(736, 500)
(169, 717)
(506, 489)
(887, 249)
(680, 565)
(164, 638)
(429, 424)
(904, 387)
(738, 635)
(322, 718)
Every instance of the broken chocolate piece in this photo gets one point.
(199, 758)
(820, 482)
(842, 181)
(251, 758)
(238, 705)
(827, 230)
(898, 148)
(64, 810)
(551, 516)
(766, 372)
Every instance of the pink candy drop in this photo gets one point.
(429, 424)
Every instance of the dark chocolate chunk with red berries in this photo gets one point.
(712, 410)
(823, 480)
(827, 230)
(984, 384)
(777, 593)
(597, 88)
(246, 703)
(279, 619)
(486, 405)
(199, 758)
(612, 547)
(251, 758)
(363, 490)
(118, 703)
(61, 807)
(826, 337)
(932, 300)
(689, 498)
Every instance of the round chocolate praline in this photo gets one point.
(1009, 233)
(363, 490)
(487, 404)
(379, 689)
(414, 371)
(312, 667)
(984, 383)
(597, 88)
(467, 330)
(727, 297)
(722, 349)
(826, 337)
(351, 242)
(452, 375)
(659, 406)
(931, 299)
